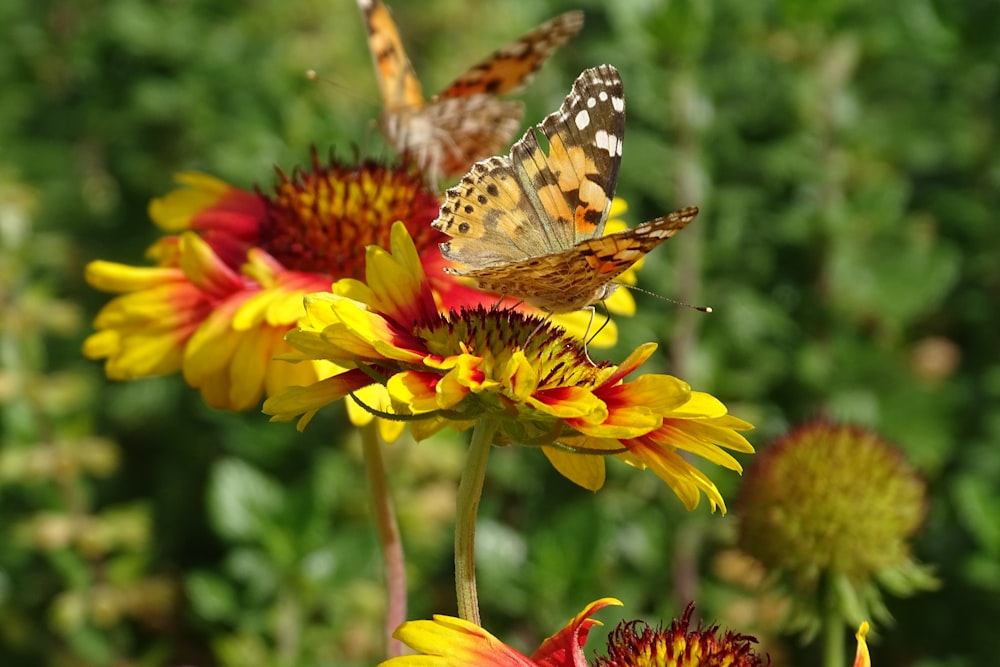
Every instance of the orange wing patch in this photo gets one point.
(398, 82)
(511, 68)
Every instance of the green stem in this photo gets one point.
(470, 490)
(388, 534)
(833, 627)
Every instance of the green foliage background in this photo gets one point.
(845, 158)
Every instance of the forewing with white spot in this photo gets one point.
(530, 225)
(533, 202)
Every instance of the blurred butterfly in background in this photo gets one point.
(465, 122)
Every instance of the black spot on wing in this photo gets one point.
(595, 215)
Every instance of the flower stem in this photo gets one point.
(470, 490)
(833, 627)
(388, 534)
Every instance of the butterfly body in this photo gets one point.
(466, 121)
(530, 225)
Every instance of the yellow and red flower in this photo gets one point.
(451, 642)
(451, 369)
(228, 283)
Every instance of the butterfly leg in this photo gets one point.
(496, 306)
(586, 340)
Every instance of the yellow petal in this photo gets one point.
(249, 366)
(173, 211)
(684, 479)
(114, 277)
(452, 642)
(418, 391)
(570, 402)
(295, 401)
(141, 356)
(862, 657)
(582, 469)
(700, 404)
(521, 376)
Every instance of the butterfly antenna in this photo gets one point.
(316, 77)
(700, 309)
(372, 125)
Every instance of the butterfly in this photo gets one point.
(530, 225)
(465, 122)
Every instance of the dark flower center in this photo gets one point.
(322, 220)
(495, 334)
(636, 644)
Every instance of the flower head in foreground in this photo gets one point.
(636, 644)
(832, 508)
(229, 280)
(451, 642)
(452, 369)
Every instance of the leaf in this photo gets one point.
(212, 597)
(241, 500)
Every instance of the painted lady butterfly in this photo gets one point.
(530, 225)
(467, 121)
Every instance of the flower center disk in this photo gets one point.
(322, 220)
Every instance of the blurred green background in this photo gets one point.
(845, 158)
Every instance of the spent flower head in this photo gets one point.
(831, 510)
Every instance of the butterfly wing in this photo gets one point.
(530, 203)
(577, 178)
(511, 68)
(397, 81)
(572, 279)
(449, 134)
(468, 121)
